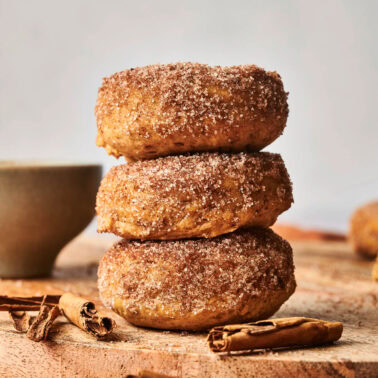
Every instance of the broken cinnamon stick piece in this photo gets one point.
(84, 314)
(42, 323)
(274, 333)
(21, 320)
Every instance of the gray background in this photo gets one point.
(53, 55)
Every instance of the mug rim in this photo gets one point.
(45, 164)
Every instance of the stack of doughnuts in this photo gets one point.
(195, 200)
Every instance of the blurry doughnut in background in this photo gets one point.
(363, 232)
(375, 270)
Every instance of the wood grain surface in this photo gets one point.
(333, 284)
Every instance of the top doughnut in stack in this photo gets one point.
(161, 110)
(191, 133)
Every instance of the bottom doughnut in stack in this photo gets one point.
(197, 284)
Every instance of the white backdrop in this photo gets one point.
(53, 55)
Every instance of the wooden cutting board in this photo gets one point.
(333, 284)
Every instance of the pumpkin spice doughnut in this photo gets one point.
(197, 284)
(200, 195)
(363, 232)
(168, 109)
(374, 273)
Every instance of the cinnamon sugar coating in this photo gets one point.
(197, 284)
(200, 195)
(167, 109)
(363, 232)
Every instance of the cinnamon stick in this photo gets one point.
(84, 314)
(274, 333)
(79, 311)
(27, 303)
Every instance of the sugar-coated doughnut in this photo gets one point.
(200, 195)
(363, 232)
(167, 109)
(197, 284)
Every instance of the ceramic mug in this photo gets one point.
(43, 205)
